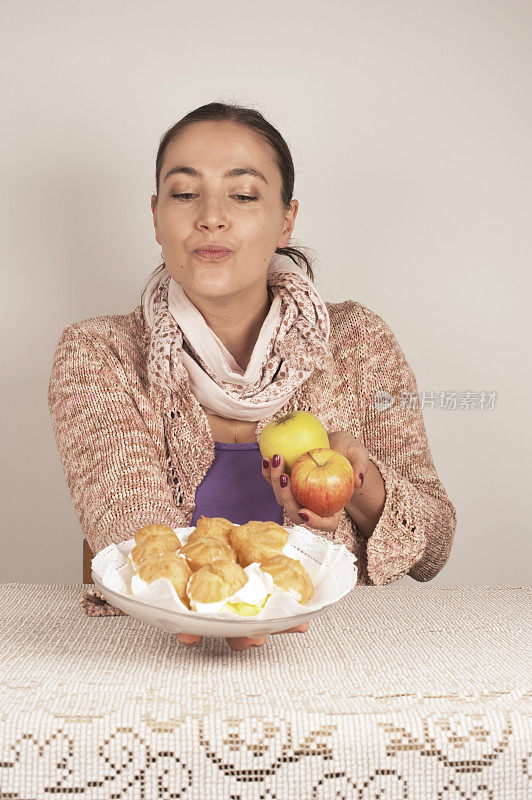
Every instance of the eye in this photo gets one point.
(243, 198)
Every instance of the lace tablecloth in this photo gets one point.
(414, 692)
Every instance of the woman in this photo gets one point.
(157, 413)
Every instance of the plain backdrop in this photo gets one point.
(410, 129)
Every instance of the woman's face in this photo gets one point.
(192, 210)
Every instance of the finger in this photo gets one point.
(321, 523)
(284, 494)
(298, 629)
(359, 478)
(188, 638)
(359, 475)
(266, 470)
(360, 463)
(245, 642)
(303, 628)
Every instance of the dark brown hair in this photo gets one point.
(253, 120)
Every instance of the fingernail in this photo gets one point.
(361, 478)
(283, 480)
(265, 463)
(276, 460)
(303, 515)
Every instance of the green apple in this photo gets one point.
(291, 436)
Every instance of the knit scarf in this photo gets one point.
(293, 341)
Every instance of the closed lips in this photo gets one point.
(212, 249)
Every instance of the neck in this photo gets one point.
(236, 321)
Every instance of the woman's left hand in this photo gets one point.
(342, 442)
(241, 642)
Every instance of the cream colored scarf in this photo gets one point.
(293, 341)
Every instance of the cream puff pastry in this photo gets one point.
(212, 528)
(170, 566)
(206, 550)
(217, 581)
(154, 540)
(289, 575)
(154, 530)
(256, 541)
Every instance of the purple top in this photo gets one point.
(234, 487)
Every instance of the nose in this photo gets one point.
(212, 215)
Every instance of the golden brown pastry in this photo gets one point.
(154, 540)
(170, 566)
(160, 531)
(256, 541)
(213, 528)
(215, 582)
(153, 547)
(205, 551)
(287, 574)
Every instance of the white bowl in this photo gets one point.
(198, 625)
(332, 564)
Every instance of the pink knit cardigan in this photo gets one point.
(131, 459)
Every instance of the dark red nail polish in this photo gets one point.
(283, 480)
(361, 478)
(303, 515)
(276, 460)
(265, 463)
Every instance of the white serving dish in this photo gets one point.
(331, 567)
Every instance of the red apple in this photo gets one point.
(323, 481)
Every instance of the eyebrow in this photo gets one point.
(229, 173)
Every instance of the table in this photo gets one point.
(399, 692)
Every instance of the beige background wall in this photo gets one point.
(410, 128)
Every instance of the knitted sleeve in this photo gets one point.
(415, 531)
(112, 468)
